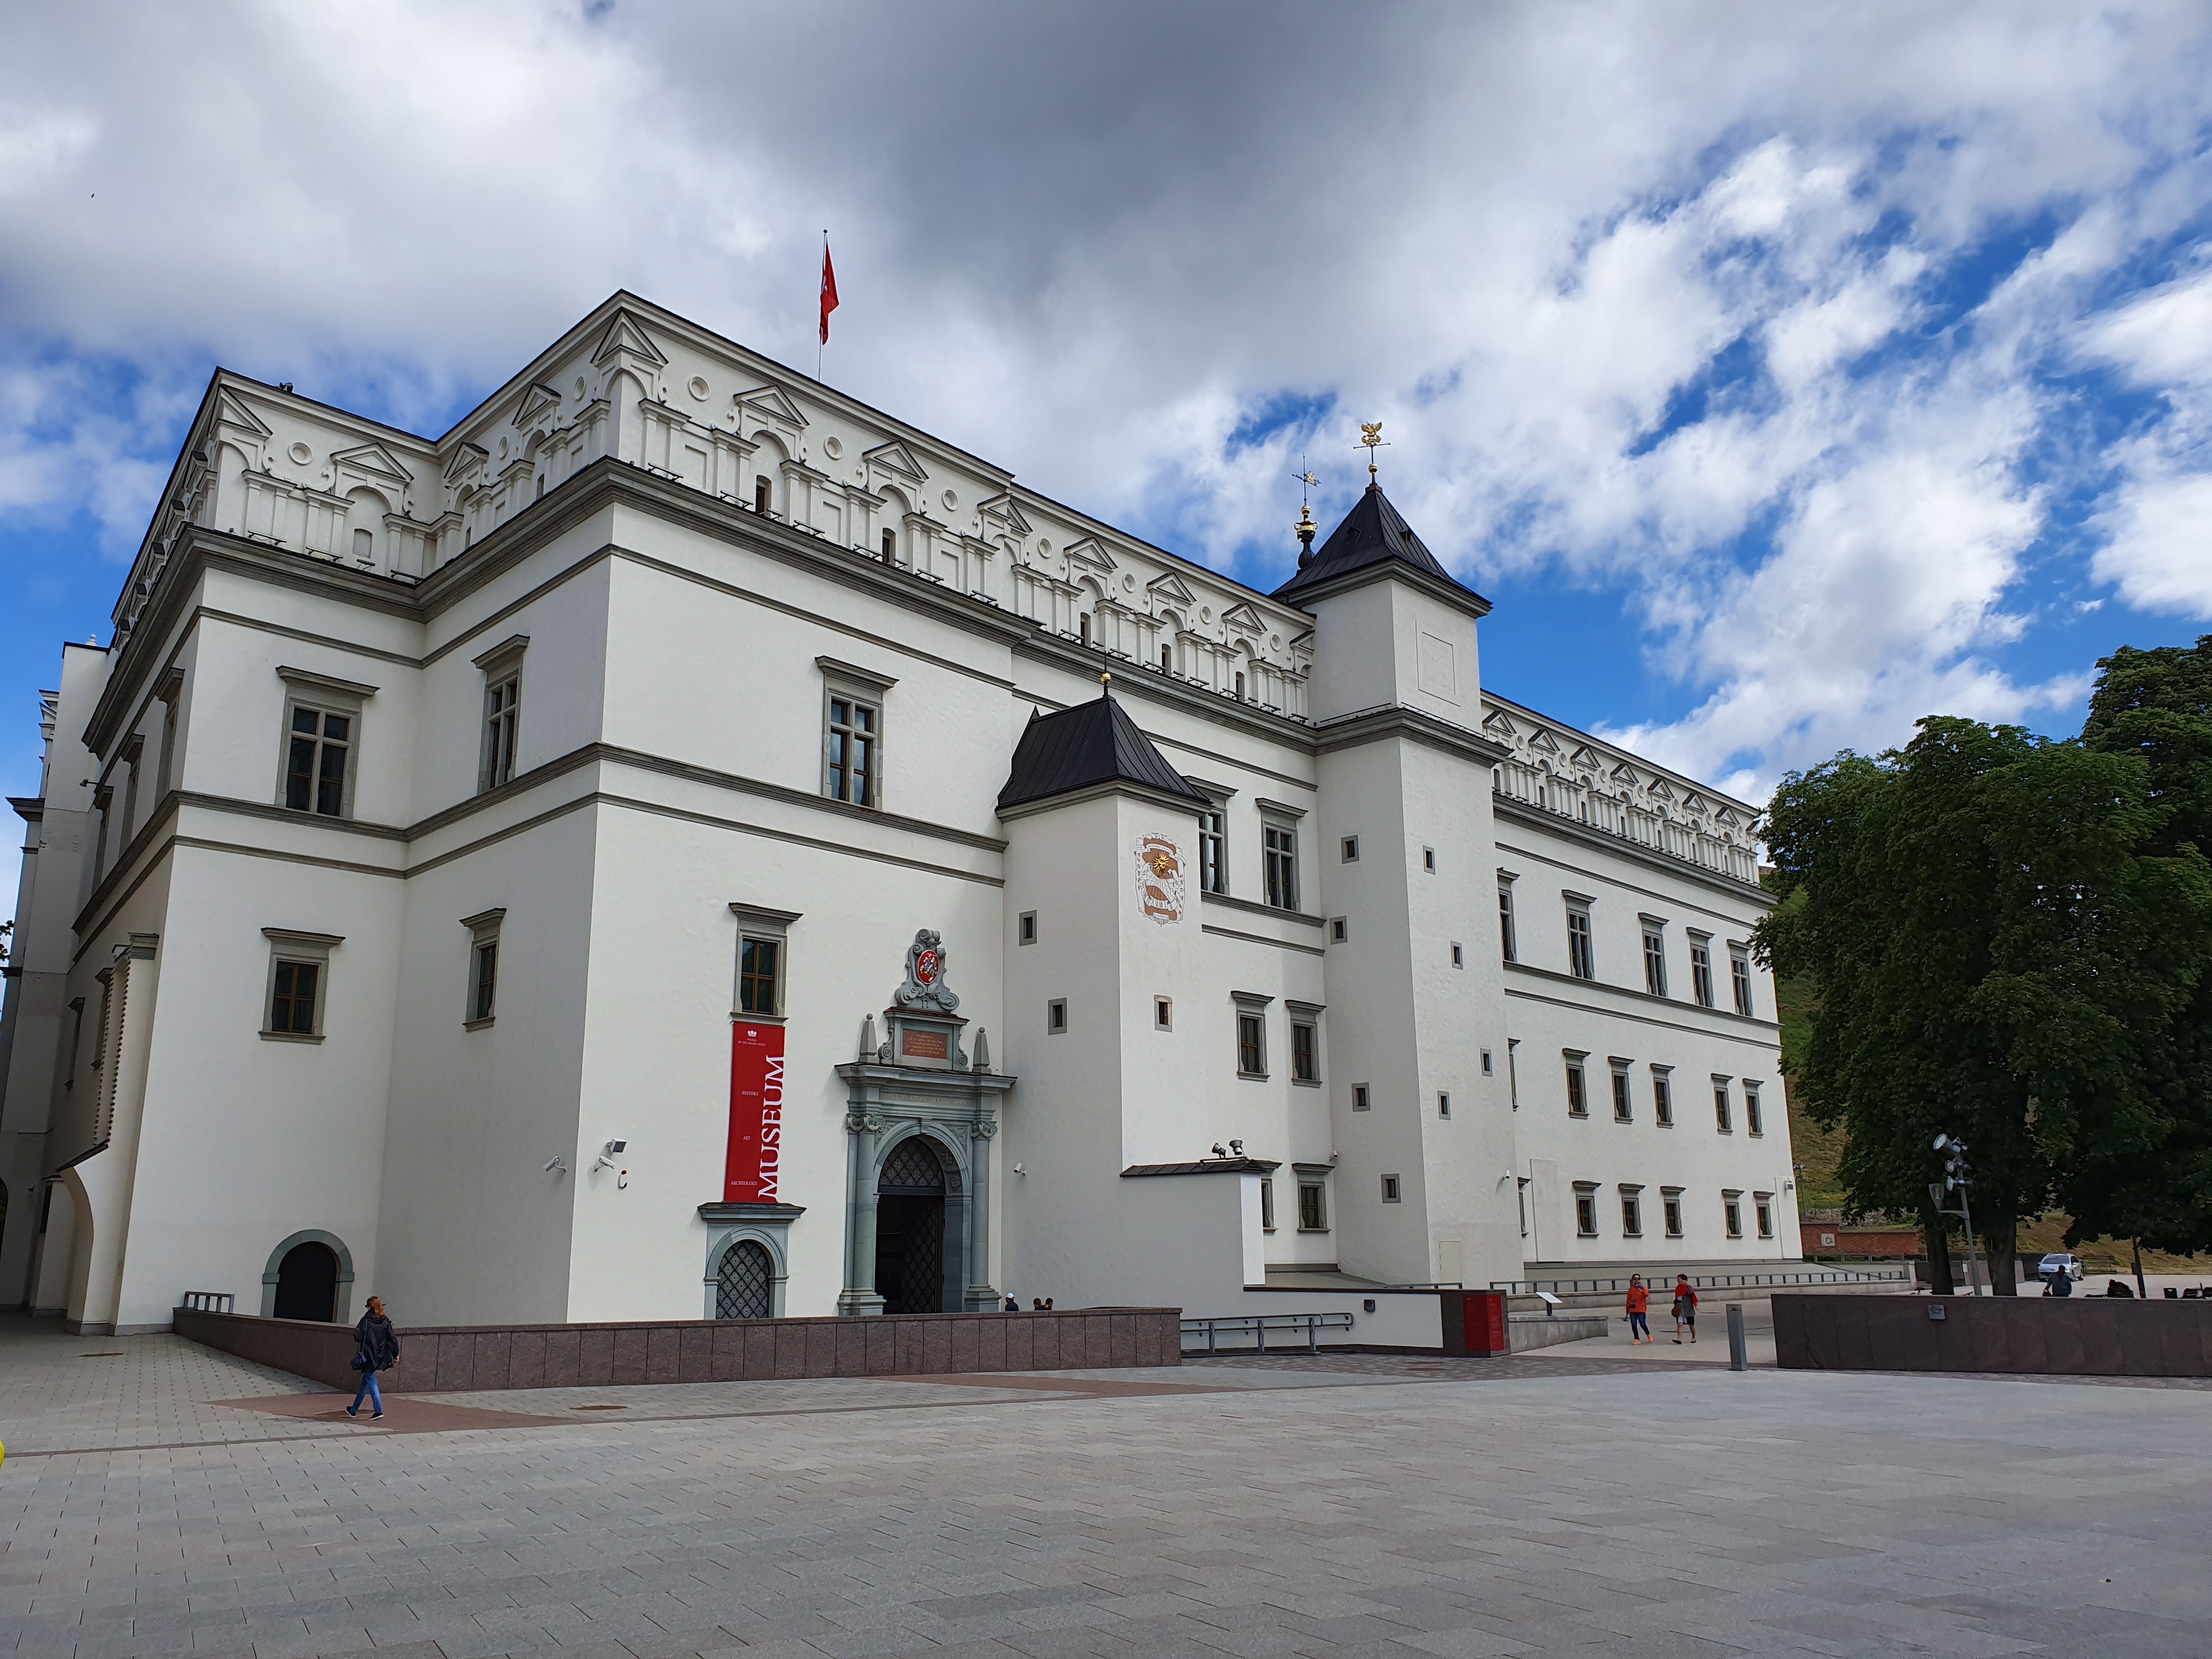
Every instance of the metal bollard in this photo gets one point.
(1739, 1358)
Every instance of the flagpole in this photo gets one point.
(819, 342)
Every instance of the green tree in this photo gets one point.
(2157, 706)
(1991, 946)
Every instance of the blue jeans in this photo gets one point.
(368, 1390)
(1638, 1325)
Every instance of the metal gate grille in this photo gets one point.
(741, 1284)
(913, 1167)
(921, 1263)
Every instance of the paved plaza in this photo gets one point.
(160, 1499)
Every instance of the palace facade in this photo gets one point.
(686, 843)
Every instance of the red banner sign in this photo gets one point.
(756, 1114)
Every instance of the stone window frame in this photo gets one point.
(1582, 943)
(1443, 1104)
(762, 925)
(1213, 837)
(1578, 1081)
(1306, 1016)
(1662, 1095)
(1742, 991)
(1055, 1016)
(1279, 855)
(1585, 1209)
(1251, 1007)
(502, 671)
(771, 1237)
(853, 684)
(343, 1304)
(1732, 1211)
(1655, 954)
(1723, 1107)
(1267, 1203)
(1393, 1189)
(1623, 1098)
(290, 945)
(1313, 1178)
(1762, 1212)
(1347, 849)
(1632, 1209)
(478, 1010)
(1025, 928)
(1163, 1013)
(1701, 967)
(1509, 929)
(324, 695)
(1670, 1211)
(1755, 1109)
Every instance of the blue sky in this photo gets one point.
(1782, 376)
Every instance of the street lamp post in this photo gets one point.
(1957, 1178)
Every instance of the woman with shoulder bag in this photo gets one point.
(376, 1348)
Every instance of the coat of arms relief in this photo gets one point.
(1160, 879)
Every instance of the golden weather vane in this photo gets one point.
(1306, 527)
(1371, 440)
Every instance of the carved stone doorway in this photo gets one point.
(910, 1229)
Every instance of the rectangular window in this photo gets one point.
(1429, 859)
(292, 1008)
(1458, 960)
(1251, 1046)
(1267, 1203)
(484, 968)
(1521, 1191)
(1701, 969)
(1623, 1111)
(1732, 1214)
(1578, 1101)
(1513, 1071)
(1663, 1097)
(1055, 1016)
(317, 759)
(1167, 660)
(760, 975)
(502, 711)
(1350, 850)
(1586, 1209)
(1313, 1207)
(1359, 1099)
(1631, 1211)
(1485, 1063)
(1163, 1014)
(1305, 1058)
(1508, 947)
(1214, 851)
(890, 546)
(1670, 1210)
(1740, 980)
(1581, 960)
(1340, 929)
(1280, 843)
(852, 739)
(1444, 1105)
(1762, 1211)
(1025, 928)
(761, 494)
(1721, 1118)
(1754, 1119)
(1390, 1189)
(1655, 961)
(298, 990)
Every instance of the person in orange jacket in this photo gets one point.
(1639, 1306)
(1685, 1307)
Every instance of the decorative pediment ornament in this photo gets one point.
(1497, 723)
(772, 403)
(1007, 510)
(896, 457)
(925, 985)
(1243, 619)
(374, 461)
(1171, 588)
(1626, 774)
(537, 399)
(626, 333)
(467, 457)
(1542, 740)
(231, 411)
(1091, 551)
(1585, 755)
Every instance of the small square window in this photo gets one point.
(1459, 959)
(1340, 929)
(1025, 928)
(1359, 1103)
(1390, 1189)
(1444, 1105)
(1163, 1014)
(1486, 1062)
(1055, 1016)
(1429, 859)
(1349, 846)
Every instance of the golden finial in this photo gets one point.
(1307, 528)
(1105, 680)
(1371, 438)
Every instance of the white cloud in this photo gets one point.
(1523, 238)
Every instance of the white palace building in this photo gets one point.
(665, 850)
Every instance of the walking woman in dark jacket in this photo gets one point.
(376, 1348)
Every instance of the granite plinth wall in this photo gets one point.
(440, 1359)
(2028, 1336)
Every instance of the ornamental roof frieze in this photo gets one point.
(1581, 762)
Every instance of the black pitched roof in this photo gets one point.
(1372, 533)
(1092, 743)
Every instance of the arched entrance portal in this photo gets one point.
(910, 1228)
(307, 1283)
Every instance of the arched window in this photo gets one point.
(742, 1287)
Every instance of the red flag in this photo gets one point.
(828, 289)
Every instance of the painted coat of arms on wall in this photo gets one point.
(1160, 879)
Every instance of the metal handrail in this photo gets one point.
(205, 1301)
(1256, 1326)
(1659, 1278)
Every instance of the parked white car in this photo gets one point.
(2052, 1265)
